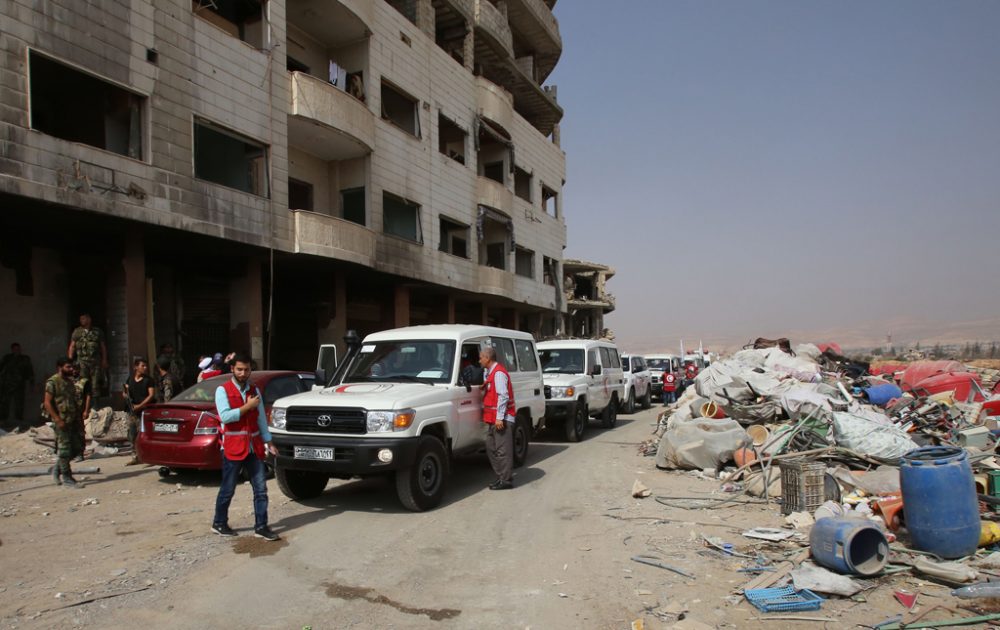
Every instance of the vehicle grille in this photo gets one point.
(312, 420)
(656, 379)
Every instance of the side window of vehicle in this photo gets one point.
(281, 387)
(609, 358)
(526, 357)
(505, 353)
(614, 357)
(592, 359)
(640, 364)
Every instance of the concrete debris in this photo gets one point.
(800, 520)
(640, 491)
(820, 580)
(769, 533)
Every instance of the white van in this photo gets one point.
(638, 386)
(402, 402)
(583, 378)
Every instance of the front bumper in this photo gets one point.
(559, 410)
(351, 456)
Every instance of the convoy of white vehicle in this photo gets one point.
(402, 402)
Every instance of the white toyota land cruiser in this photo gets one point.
(583, 378)
(638, 386)
(401, 403)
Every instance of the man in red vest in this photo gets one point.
(499, 414)
(245, 442)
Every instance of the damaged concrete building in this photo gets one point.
(266, 174)
(585, 289)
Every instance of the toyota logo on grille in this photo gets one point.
(324, 420)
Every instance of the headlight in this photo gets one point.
(387, 421)
(563, 392)
(279, 418)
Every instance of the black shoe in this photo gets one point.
(493, 486)
(266, 533)
(223, 530)
(502, 485)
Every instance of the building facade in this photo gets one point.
(585, 287)
(263, 175)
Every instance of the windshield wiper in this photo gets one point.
(406, 378)
(361, 379)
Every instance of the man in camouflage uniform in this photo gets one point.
(88, 347)
(63, 408)
(177, 366)
(83, 396)
(15, 372)
(168, 386)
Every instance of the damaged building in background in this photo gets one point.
(266, 175)
(585, 289)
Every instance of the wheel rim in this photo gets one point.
(429, 474)
(581, 417)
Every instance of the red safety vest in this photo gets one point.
(669, 381)
(239, 435)
(490, 397)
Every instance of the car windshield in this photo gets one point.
(658, 364)
(202, 392)
(561, 361)
(424, 361)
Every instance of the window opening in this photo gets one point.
(79, 107)
(524, 262)
(550, 271)
(294, 65)
(522, 183)
(300, 194)
(226, 158)
(493, 152)
(454, 238)
(407, 7)
(400, 109)
(451, 139)
(495, 232)
(243, 19)
(549, 199)
(401, 218)
(450, 31)
(352, 202)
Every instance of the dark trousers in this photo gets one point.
(13, 396)
(500, 449)
(230, 475)
(669, 397)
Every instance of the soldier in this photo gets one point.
(15, 372)
(87, 345)
(177, 367)
(62, 406)
(168, 385)
(83, 396)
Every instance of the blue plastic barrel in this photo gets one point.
(881, 394)
(939, 501)
(848, 544)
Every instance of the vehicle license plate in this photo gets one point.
(166, 427)
(308, 452)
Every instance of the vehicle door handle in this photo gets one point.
(537, 392)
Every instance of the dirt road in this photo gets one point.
(552, 553)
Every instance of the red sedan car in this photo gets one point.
(184, 433)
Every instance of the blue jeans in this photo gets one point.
(230, 475)
(668, 397)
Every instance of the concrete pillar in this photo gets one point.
(450, 305)
(134, 264)
(246, 312)
(485, 314)
(401, 306)
(469, 49)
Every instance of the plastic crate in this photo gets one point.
(994, 486)
(802, 485)
(783, 599)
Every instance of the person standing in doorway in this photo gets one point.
(140, 392)
(245, 444)
(168, 386)
(62, 406)
(499, 414)
(177, 367)
(15, 372)
(88, 347)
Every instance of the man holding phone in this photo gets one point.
(245, 444)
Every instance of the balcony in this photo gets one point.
(496, 281)
(494, 40)
(333, 22)
(323, 235)
(494, 102)
(327, 122)
(538, 29)
(493, 194)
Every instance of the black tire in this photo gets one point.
(164, 472)
(421, 487)
(630, 402)
(574, 426)
(609, 417)
(522, 437)
(647, 400)
(300, 484)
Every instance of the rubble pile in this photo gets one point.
(890, 469)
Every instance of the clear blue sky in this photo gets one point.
(752, 168)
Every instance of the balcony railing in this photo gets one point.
(328, 122)
(332, 237)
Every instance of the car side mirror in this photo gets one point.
(321, 377)
(595, 370)
(470, 376)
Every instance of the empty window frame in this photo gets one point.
(495, 232)
(352, 204)
(493, 150)
(522, 183)
(451, 139)
(550, 270)
(300, 195)
(240, 18)
(227, 158)
(400, 109)
(401, 218)
(79, 107)
(550, 200)
(450, 31)
(454, 238)
(407, 7)
(524, 262)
